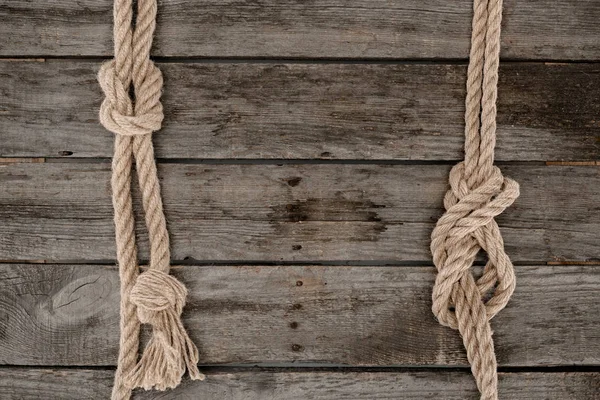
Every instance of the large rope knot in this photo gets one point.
(118, 113)
(155, 292)
(467, 227)
(160, 298)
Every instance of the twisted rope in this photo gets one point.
(478, 193)
(153, 297)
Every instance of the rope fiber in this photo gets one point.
(153, 297)
(478, 193)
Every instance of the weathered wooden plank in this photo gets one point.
(542, 29)
(359, 316)
(70, 384)
(51, 384)
(305, 111)
(305, 212)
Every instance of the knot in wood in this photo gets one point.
(119, 114)
(467, 227)
(155, 292)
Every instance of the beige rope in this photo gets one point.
(478, 192)
(154, 297)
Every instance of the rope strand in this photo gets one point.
(153, 297)
(478, 193)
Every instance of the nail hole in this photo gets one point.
(297, 347)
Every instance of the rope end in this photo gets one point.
(160, 298)
(195, 374)
(161, 368)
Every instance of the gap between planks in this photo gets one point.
(291, 60)
(65, 159)
(316, 367)
(323, 263)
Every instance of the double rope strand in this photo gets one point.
(478, 193)
(153, 297)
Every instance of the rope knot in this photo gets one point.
(467, 227)
(155, 291)
(159, 298)
(118, 113)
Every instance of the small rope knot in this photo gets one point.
(117, 112)
(467, 227)
(155, 291)
(159, 299)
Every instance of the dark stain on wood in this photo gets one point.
(294, 181)
(285, 217)
(321, 209)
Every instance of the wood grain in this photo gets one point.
(542, 29)
(355, 316)
(308, 111)
(68, 384)
(290, 212)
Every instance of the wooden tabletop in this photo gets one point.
(303, 159)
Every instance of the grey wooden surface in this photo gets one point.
(303, 159)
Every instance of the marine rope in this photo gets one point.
(478, 193)
(153, 297)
